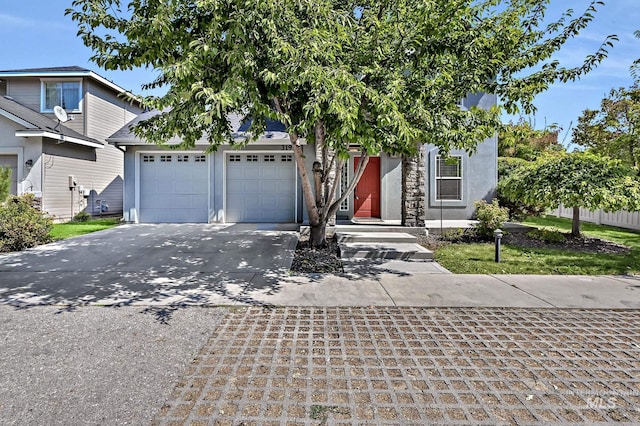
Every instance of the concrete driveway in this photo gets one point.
(167, 264)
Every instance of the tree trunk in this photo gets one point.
(575, 223)
(317, 234)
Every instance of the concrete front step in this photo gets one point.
(379, 229)
(375, 237)
(399, 251)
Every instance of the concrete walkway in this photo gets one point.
(442, 289)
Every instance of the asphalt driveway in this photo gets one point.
(167, 264)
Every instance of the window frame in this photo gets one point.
(43, 94)
(459, 178)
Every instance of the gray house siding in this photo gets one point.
(479, 173)
(23, 149)
(28, 91)
(100, 104)
(63, 160)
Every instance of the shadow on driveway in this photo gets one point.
(168, 265)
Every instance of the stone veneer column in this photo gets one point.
(413, 189)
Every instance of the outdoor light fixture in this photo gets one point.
(28, 164)
(498, 236)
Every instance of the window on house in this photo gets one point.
(200, 158)
(183, 158)
(67, 94)
(165, 158)
(269, 158)
(234, 158)
(286, 158)
(252, 158)
(449, 178)
(148, 158)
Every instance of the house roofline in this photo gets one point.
(57, 136)
(70, 74)
(17, 119)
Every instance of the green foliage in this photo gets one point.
(490, 217)
(21, 225)
(614, 129)
(5, 183)
(385, 75)
(82, 217)
(518, 210)
(547, 235)
(521, 140)
(578, 179)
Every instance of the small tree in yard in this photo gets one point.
(575, 180)
(21, 225)
(385, 76)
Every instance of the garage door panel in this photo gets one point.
(260, 191)
(174, 191)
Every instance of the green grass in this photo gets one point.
(604, 232)
(61, 231)
(478, 258)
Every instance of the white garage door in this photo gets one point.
(174, 188)
(260, 188)
(11, 162)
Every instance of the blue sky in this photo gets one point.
(35, 33)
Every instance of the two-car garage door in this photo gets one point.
(258, 187)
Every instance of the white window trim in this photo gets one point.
(60, 80)
(460, 178)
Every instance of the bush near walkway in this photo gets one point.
(21, 225)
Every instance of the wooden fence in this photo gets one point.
(621, 219)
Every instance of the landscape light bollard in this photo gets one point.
(498, 236)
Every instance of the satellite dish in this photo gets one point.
(60, 114)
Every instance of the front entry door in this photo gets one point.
(367, 193)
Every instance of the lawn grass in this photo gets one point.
(61, 231)
(478, 258)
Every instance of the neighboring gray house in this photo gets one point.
(68, 165)
(260, 183)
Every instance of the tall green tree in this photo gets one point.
(386, 76)
(575, 180)
(614, 129)
(522, 140)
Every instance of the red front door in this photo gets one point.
(367, 194)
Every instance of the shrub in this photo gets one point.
(490, 217)
(81, 217)
(517, 209)
(22, 226)
(5, 183)
(552, 235)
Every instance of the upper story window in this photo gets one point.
(449, 178)
(67, 94)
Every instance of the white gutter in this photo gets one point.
(17, 119)
(58, 137)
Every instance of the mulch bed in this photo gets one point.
(519, 238)
(316, 260)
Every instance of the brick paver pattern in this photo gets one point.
(413, 366)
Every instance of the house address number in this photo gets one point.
(286, 147)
